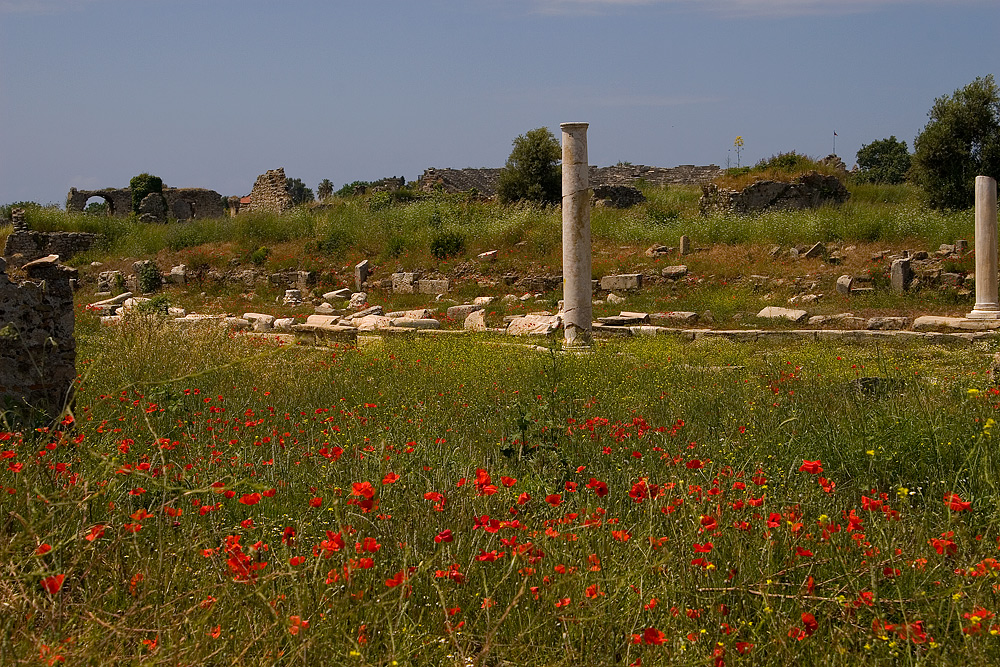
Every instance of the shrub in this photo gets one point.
(142, 185)
(531, 172)
(259, 256)
(447, 244)
(149, 277)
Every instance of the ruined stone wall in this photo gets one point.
(182, 203)
(808, 190)
(119, 200)
(24, 245)
(37, 347)
(269, 193)
(486, 180)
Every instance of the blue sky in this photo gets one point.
(211, 93)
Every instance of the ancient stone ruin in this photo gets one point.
(485, 181)
(24, 245)
(37, 348)
(809, 190)
(269, 193)
(181, 203)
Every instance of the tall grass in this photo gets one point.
(401, 232)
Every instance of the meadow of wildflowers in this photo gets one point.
(222, 500)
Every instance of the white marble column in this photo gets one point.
(577, 290)
(987, 307)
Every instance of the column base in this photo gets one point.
(984, 313)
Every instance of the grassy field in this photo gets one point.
(223, 500)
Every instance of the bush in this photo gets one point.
(531, 172)
(142, 185)
(447, 244)
(884, 161)
(149, 277)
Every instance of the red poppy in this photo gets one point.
(811, 467)
(390, 478)
(316, 502)
(653, 636)
(443, 536)
(250, 498)
(508, 481)
(809, 621)
(554, 499)
(955, 503)
(598, 487)
(43, 549)
(53, 584)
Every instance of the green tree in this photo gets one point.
(532, 171)
(141, 186)
(298, 191)
(961, 141)
(883, 161)
(325, 189)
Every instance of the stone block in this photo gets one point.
(361, 272)
(475, 321)
(815, 251)
(844, 285)
(674, 316)
(887, 323)
(542, 325)
(432, 286)
(778, 313)
(404, 283)
(337, 295)
(685, 245)
(260, 321)
(488, 256)
(901, 274)
(358, 300)
(674, 272)
(625, 281)
(371, 310)
(411, 323)
(462, 311)
(372, 323)
(293, 297)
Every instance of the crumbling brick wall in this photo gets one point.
(37, 347)
(269, 193)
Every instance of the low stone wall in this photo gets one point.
(26, 246)
(37, 347)
(486, 180)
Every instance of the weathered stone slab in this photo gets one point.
(901, 274)
(410, 323)
(674, 272)
(404, 283)
(534, 325)
(475, 321)
(361, 272)
(371, 310)
(462, 311)
(372, 323)
(887, 323)
(338, 295)
(674, 316)
(428, 286)
(777, 313)
(815, 251)
(932, 322)
(844, 285)
(625, 281)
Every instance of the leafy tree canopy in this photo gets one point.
(532, 171)
(325, 188)
(141, 186)
(298, 191)
(883, 161)
(960, 141)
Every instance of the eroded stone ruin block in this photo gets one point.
(37, 347)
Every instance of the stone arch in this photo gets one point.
(105, 199)
(119, 200)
